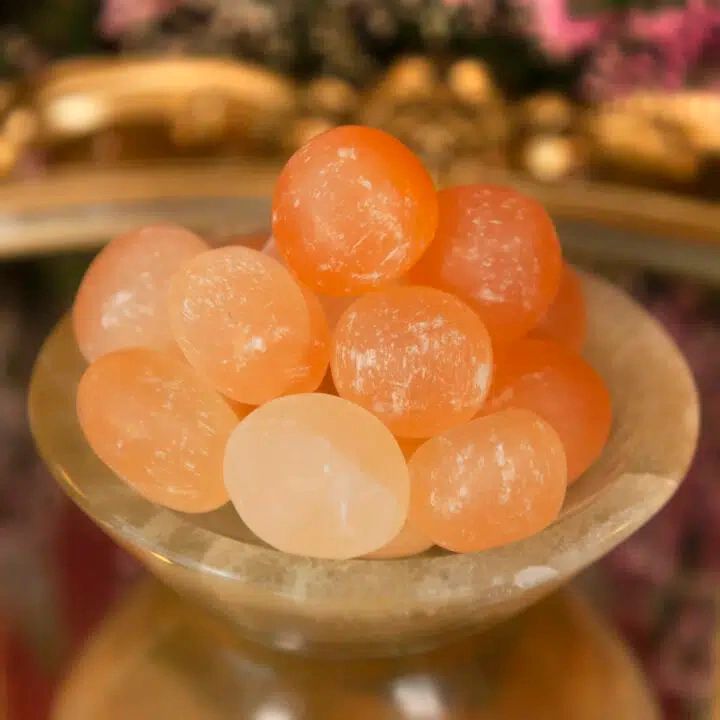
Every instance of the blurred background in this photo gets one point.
(119, 112)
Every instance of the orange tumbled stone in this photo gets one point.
(566, 319)
(240, 409)
(270, 248)
(562, 388)
(158, 426)
(122, 299)
(495, 480)
(418, 358)
(333, 306)
(498, 250)
(311, 372)
(353, 209)
(242, 321)
(409, 445)
(255, 240)
(408, 542)
(316, 475)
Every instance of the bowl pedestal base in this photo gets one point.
(157, 656)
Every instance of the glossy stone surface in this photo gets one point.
(159, 426)
(562, 388)
(312, 368)
(416, 357)
(566, 319)
(498, 250)
(352, 210)
(409, 541)
(241, 321)
(492, 481)
(316, 475)
(122, 299)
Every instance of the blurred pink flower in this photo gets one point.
(119, 16)
(557, 31)
(664, 24)
(620, 66)
(682, 664)
(652, 49)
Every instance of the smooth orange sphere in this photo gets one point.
(495, 480)
(255, 240)
(408, 542)
(353, 209)
(562, 388)
(333, 306)
(242, 321)
(315, 475)
(566, 319)
(310, 374)
(409, 445)
(158, 426)
(122, 299)
(270, 248)
(241, 410)
(497, 250)
(418, 358)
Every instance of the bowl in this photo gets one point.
(377, 607)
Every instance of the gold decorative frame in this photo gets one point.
(229, 126)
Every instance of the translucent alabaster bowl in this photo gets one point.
(369, 607)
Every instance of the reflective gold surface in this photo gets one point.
(204, 97)
(376, 607)
(78, 207)
(157, 657)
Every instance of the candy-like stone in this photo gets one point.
(494, 480)
(242, 321)
(353, 209)
(310, 374)
(333, 306)
(255, 240)
(566, 319)
(409, 541)
(122, 299)
(158, 426)
(562, 388)
(498, 250)
(418, 358)
(316, 475)
(270, 248)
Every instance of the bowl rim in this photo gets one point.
(594, 526)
